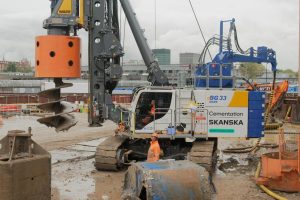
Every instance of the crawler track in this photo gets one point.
(202, 153)
(107, 156)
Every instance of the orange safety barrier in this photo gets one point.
(279, 90)
(281, 170)
(10, 108)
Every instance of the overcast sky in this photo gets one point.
(273, 23)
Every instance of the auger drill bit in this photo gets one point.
(57, 56)
(62, 120)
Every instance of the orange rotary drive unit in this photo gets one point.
(57, 56)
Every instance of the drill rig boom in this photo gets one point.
(156, 76)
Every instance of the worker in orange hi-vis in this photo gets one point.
(152, 110)
(154, 150)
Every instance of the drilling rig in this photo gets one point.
(190, 120)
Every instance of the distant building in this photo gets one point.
(3, 65)
(23, 63)
(133, 62)
(163, 56)
(139, 73)
(191, 59)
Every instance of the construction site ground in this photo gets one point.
(74, 176)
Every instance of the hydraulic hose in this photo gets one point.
(243, 149)
(264, 188)
(249, 148)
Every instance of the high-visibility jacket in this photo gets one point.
(153, 152)
(152, 111)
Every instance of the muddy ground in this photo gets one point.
(49, 139)
(74, 176)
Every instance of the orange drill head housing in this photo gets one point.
(57, 56)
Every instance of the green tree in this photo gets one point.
(24, 69)
(291, 73)
(11, 67)
(251, 70)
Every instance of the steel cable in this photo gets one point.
(199, 26)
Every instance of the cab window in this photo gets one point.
(152, 106)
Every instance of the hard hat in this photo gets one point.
(154, 135)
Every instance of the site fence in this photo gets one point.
(8, 110)
(34, 98)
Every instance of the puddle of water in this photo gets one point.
(242, 159)
(74, 180)
(80, 150)
(64, 155)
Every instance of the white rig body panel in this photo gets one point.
(206, 113)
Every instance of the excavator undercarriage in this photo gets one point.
(119, 151)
